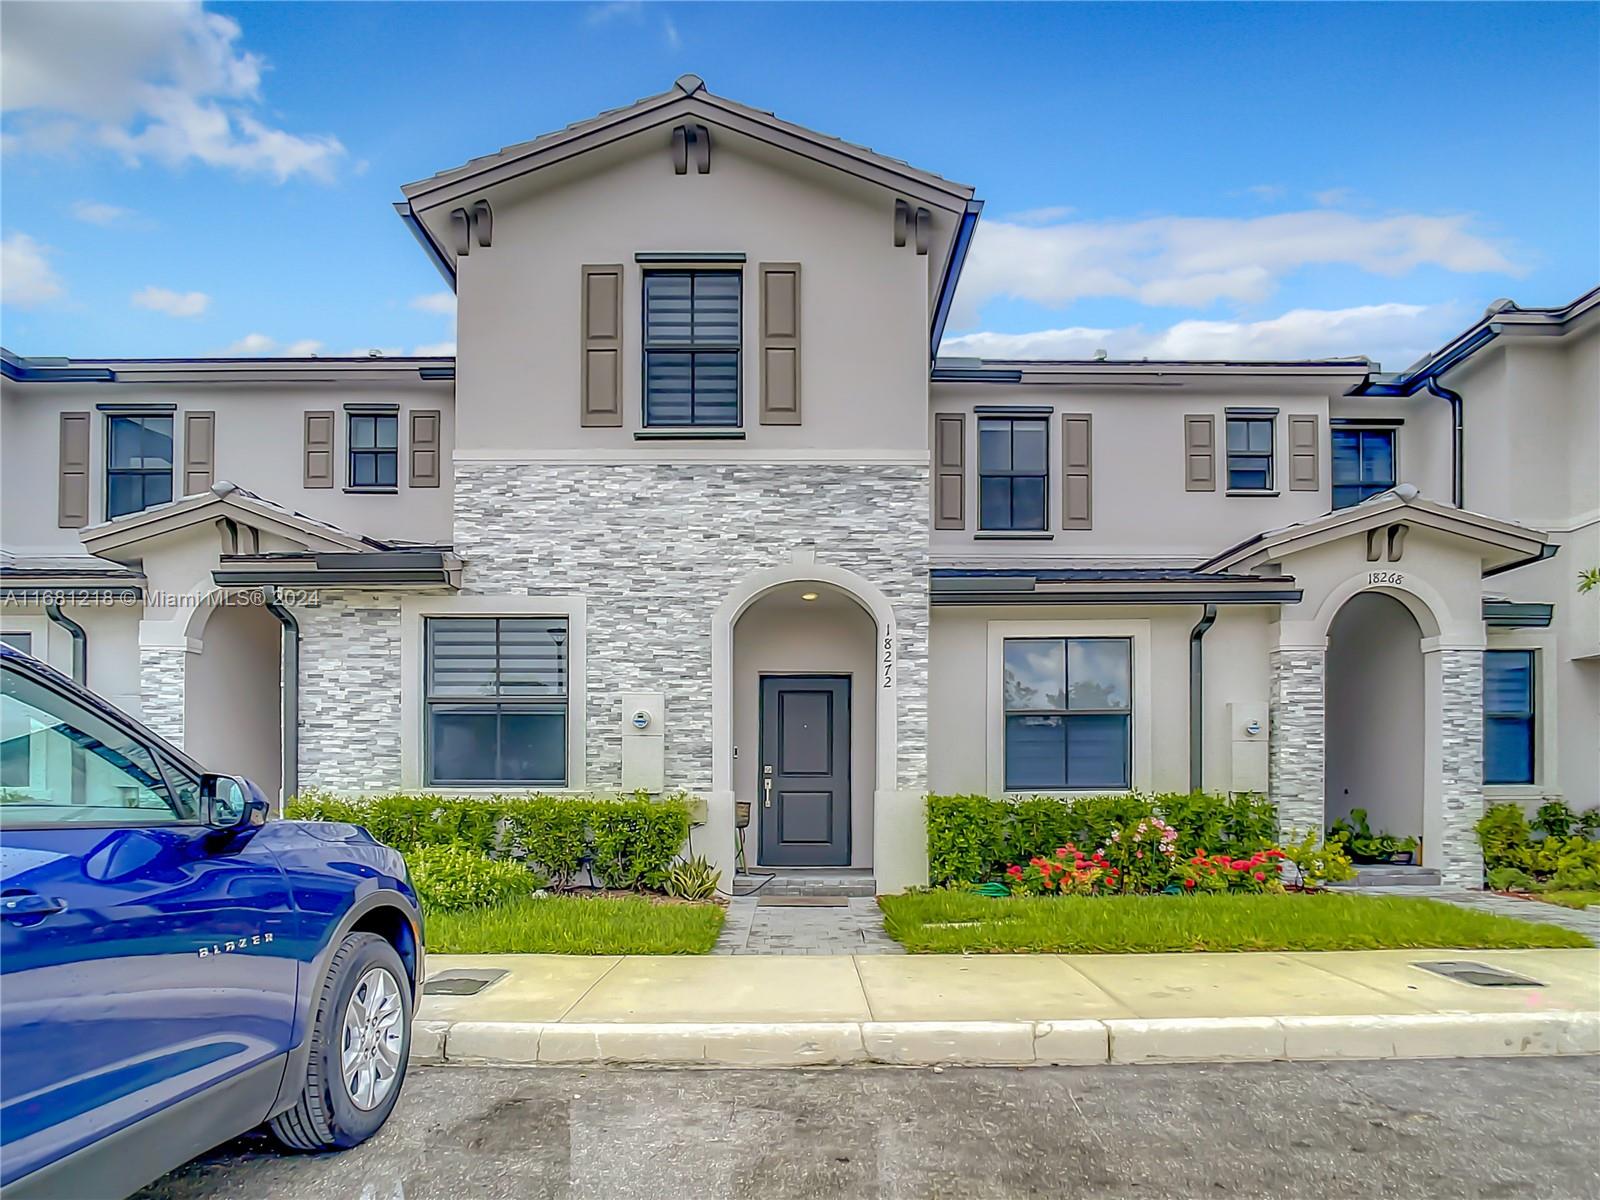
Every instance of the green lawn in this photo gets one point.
(577, 925)
(958, 922)
(1571, 899)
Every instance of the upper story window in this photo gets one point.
(691, 348)
(1013, 478)
(1363, 464)
(374, 450)
(1250, 454)
(1508, 680)
(138, 463)
(496, 700)
(1068, 715)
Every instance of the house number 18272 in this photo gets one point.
(888, 661)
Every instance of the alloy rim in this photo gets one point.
(371, 1041)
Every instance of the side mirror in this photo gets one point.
(232, 802)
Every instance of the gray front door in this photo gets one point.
(805, 771)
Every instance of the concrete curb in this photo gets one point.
(1009, 1043)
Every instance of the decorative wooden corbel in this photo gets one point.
(924, 230)
(902, 222)
(461, 231)
(483, 222)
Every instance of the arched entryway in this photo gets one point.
(232, 707)
(1376, 702)
(804, 726)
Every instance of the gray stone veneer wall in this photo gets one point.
(161, 672)
(1296, 745)
(350, 692)
(1461, 788)
(656, 547)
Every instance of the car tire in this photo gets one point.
(332, 1114)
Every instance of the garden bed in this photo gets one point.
(578, 924)
(952, 922)
(1576, 899)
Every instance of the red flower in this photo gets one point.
(1274, 853)
(1261, 877)
(1188, 883)
(1014, 872)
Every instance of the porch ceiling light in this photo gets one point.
(808, 595)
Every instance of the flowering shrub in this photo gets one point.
(1069, 873)
(1220, 873)
(1143, 854)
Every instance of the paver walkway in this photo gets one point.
(854, 928)
(1582, 920)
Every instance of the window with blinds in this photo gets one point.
(691, 348)
(496, 697)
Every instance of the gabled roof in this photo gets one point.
(686, 97)
(1504, 544)
(115, 538)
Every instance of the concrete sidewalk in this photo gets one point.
(1009, 1009)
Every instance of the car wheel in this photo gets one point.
(360, 1041)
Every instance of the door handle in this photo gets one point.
(31, 905)
(766, 784)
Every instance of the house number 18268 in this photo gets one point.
(888, 661)
(1385, 577)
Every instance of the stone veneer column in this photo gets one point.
(1458, 856)
(1297, 740)
(350, 692)
(161, 674)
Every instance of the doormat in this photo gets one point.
(802, 902)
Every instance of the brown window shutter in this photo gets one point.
(1304, 453)
(72, 501)
(949, 471)
(319, 450)
(780, 343)
(1077, 489)
(1200, 453)
(425, 448)
(602, 346)
(199, 451)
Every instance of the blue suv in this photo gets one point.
(174, 967)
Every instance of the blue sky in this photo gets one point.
(1184, 179)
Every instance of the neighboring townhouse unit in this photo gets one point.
(697, 506)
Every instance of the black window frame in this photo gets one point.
(499, 702)
(143, 474)
(693, 349)
(1527, 717)
(1066, 714)
(374, 453)
(1012, 474)
(1269, 455)
(1364, 489)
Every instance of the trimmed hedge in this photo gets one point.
(627, 842)
(972, 838)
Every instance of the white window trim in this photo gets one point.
(38, 628)
(1546, 783)
(414, 612)
(1138, 632)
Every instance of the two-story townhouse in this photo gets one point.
(697, 506)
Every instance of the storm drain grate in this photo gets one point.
(1478, 974)
(461, 983)
(802, 902)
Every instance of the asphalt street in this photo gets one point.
(1485, 1129)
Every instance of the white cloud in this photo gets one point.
(1390, 333)
(93, 212)
(1333, 197)
(259, 345)
(436, 302)
(669, 31)
(1194, 261)
(435, 349)
(174, 304)
(164, 81)
(27, 279)
(632, 12)
(1265, 191)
